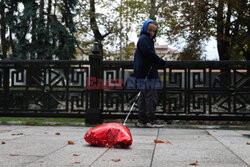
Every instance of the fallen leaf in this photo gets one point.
(3, 142)
(209, 134)
(167, 142)
(45, 132)
(71, 142)
(57, 133)
(198, 137)
(195, 163)
(76, 155)
(14, 154)
(115, 160)
(158, 141)
(248, 143)
(75, 162)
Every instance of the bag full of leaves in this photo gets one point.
(109, 135)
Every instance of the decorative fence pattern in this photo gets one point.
(210, 90)
(43, 88)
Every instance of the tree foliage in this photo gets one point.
(226, 20)
(106, 22)
(110, 22)
(38, 29)
(43, 29)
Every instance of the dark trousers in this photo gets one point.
(147, 105)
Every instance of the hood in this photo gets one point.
(144, 29)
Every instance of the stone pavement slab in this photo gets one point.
(191, 145)
(235, 141)
(138, 155)
(40, 146)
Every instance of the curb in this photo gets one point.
(130, 125)
(42, 124)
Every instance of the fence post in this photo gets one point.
(93, 114)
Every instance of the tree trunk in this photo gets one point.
(48, 14)
(121, 26)
(223, 31)
(41, 12)
(3, 32)
(153, 10)
(94, 27)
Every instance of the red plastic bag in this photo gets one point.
(109, 135)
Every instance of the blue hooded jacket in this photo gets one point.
(145, 55)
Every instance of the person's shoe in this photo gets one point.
(155, 124)
(140, 124)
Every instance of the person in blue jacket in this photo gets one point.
(146, 63)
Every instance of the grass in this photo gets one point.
(42, 120)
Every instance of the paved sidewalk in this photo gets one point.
(40, 146)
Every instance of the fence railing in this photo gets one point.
(208, 90)
(43, 88)
(211, 90)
